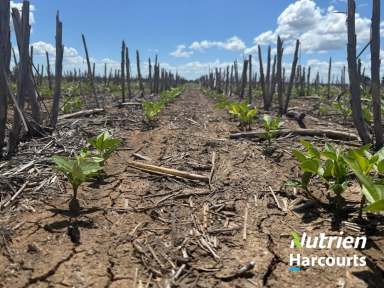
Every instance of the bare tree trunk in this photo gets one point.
(243, 80)
(302, 83)
(329, 78)
(22, 30)
(236, 67)
(105, 75)
(268, 76)
(150, 75)
(250, 80)
(354, 78)
(128, 69)
(375, 73)
(123, 72)
(262, 80)
(309, 81)
(90, 74)
(292, 78)
(231, 82)
(58, 72)
(279, 79)
(141, 86)
(5, 59)
(227, 81)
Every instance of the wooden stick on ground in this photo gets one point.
(275, 197)
(7, 203)
(332, 134)
(245, 222)
(213, 167)
(166, 171)
(82, 113)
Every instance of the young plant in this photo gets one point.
(105, 145)
(78, 170)
(152, 109)
(222, 102)
(373, 192)
(309, 161)
(72, 104)
(243, 112)
(271, 126)
(335, 169)
(247, 115)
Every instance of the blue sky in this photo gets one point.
(191, 36)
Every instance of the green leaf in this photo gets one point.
(312, 151)
(372, 192)
(63, 164)
(377, 206)
(311, 166)
(380, 166)
(299, 156)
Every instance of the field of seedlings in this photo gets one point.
(241, 178)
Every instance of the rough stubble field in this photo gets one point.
(137, 228)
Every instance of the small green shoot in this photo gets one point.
(271, 126)
(105, 145)
(78, 170)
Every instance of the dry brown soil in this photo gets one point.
(139, 229)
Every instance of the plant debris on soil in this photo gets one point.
(138, 229)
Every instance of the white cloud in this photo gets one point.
(40, 47)
(180, 52)
(232, 44)
(318, 30)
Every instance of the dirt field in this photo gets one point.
(143, 230)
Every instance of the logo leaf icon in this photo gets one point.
(296, 239)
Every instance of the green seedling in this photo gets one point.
(373, 192)
(345, 110)
(271, 126)
(309, 161)
(243, 112)
(152, 109)
(78, 170)
(72, 104)
(335, 169)
(247, 115)
(105, 145)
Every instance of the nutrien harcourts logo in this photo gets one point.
(298, 262)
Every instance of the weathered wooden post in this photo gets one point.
(292, 77)
(5, 59)
(58, 72)
(90, 73)
(354, 78)
(123, 72)
(375, 73)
